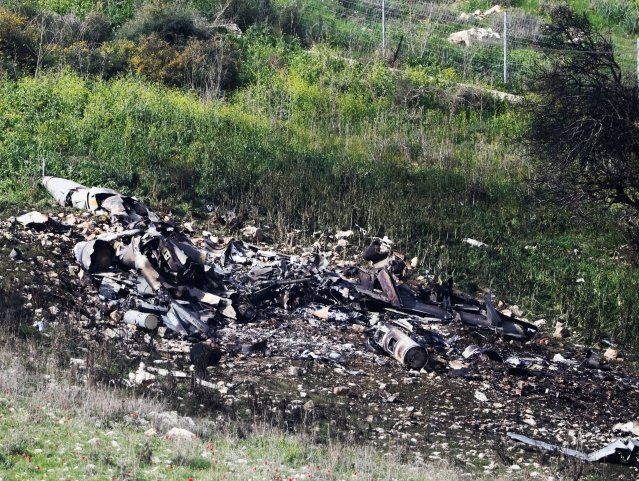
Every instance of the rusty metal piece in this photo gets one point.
(205, 297)
(388, 286)
(401, 347)
(198, 256)
(144, 266)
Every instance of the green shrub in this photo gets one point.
(115, 57)
(262, 55)
(171, 23)
(158, 60)
(95, 28)
(247, 13)
(15, 55)
(211, 65)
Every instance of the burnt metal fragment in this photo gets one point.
(394, 342)
(95, 256)
(618, 451)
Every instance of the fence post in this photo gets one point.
(384, 28)
(638, 63)
(505, 49)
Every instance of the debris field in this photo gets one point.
(358, 342)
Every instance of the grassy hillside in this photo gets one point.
(299, 123)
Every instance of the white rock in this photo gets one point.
(179, 434)
(472, 35)
(561, 331)
(480, 396)
(344, 234)
(611, 354)
(540, 323)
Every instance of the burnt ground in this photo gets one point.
(321, 378)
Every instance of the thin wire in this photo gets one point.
(424, 28)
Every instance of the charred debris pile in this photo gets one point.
(153, 273)
(203, 296)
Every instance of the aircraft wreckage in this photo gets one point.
(158, 272)
(152, 272)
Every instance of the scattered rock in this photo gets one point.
(179, 434)
(358, 328)
(629, 427)
(468, 240)
(561, 331)
(611, 354)
(141, 376)
(33, 219)
(253, 234)
(341, 390)
(295, 371)
(540, 323)
(344, 234)
(480, 396)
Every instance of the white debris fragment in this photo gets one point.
(474, 242)
(629, 427)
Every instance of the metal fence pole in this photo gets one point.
(638, 63)
(505, 49)
(384, 27)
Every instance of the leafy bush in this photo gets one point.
(247, 13)
(211, 65)
(262, 55)
(171, 23)
(15, 55)
(115, 57)
(95, 28)
(289, 19)
(158, 60)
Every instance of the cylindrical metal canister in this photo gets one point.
(141, 319)
(403, 348)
